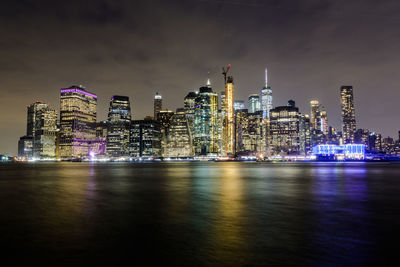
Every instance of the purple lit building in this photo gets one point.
(77, 122)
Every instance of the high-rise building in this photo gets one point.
(285, 129)
(145, 138)
(118, 126)
(238, 104)
(205, 135)
(254, 103)
(250, 133)
(189, 106)
(178, 136)
(164, 118)
(305, 135)
(25, 147)
(318, 118)
(266, 97)
(229, 124)
(32, 110)
(348, 114)
(77, 122)
(157, 104)
(44, 140)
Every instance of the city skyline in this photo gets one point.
(307, 66)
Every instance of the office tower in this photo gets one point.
(119, 119)
(157, 104)
(44, 140)
(305, 135)
(189, 107)
(25, 147)
(361, 136)
(98, 146)
(229, 125)
(205, 135)
(178, 136)
(145, 138)
(285, 129)
(250, 133)
(32, 109)
(348, 114)
(164, 118)
(314, 114)
(254, 103)
(266, 97)
(77, 122)
(238, 104)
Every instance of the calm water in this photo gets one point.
(199, 213)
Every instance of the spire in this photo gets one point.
(266, 78)
(208, 80)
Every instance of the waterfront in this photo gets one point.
(199, 213)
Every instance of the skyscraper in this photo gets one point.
(189, 107)
(157, 104)
(254, 103)
(32, 110)
(119, 118)
(44, 140)
(229, 125)
(314, 113)
(239, 104)
(266, 97)
(145, 138)
(205, 135)
(77, 122)
(178, 137)
(285, 129)
(348, 114)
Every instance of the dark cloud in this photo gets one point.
(139, 47)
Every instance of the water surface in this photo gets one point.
(199, 213)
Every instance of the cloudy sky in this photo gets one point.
(136, 48)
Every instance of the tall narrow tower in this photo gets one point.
(157, 104)
(266, 97)
(229, 127)
(348, 114)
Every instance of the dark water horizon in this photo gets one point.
(199, 213)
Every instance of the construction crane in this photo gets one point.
(225, 72)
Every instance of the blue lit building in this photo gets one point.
(339, 152)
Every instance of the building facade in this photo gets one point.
(118, 126)
(77, 122)
(205, 134)
(157, 104)
(145, 138)
(285, 130)
(178, 136)
(348, 114)
(229, 124)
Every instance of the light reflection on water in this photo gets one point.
(200, 213)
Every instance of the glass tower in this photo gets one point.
(119, 118)
(266, 98)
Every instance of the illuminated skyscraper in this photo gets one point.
(348, 114)
(145, 138)
(239, 104)
(254, 103)
(178, 137)
(285, 129)
(205, 135)
(77, 122)
(229, 125)
(314, 114)
(32, 110)
(44, 140)
(118, 125)
(189, 106)
(266, 97)
(250, 133)
(157, 104)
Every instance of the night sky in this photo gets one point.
(136, 48)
